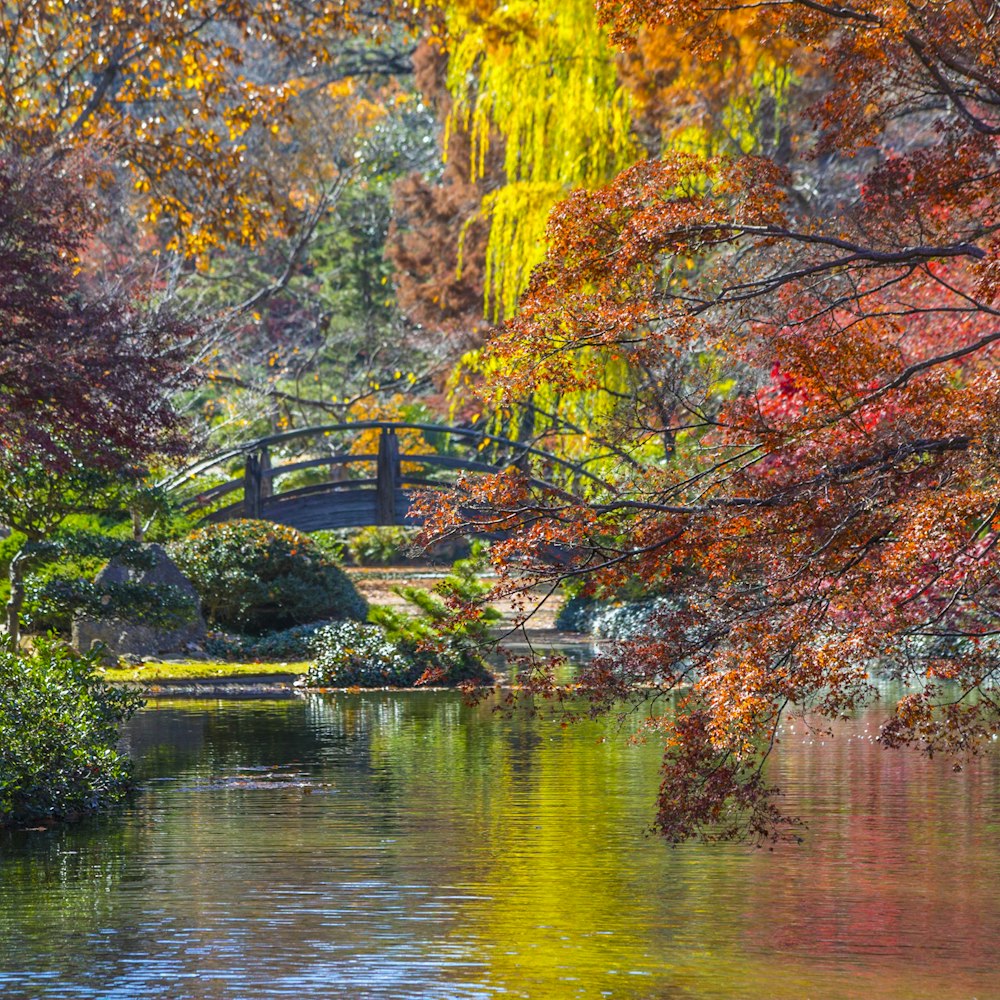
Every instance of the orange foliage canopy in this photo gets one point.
(820, 330)
(196, 98)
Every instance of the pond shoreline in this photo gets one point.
(277, 685)
(537, 637)
(255, 687)
(213, 677)
(247, 686)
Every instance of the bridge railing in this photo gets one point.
(353, 502)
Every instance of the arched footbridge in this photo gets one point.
(328, 485)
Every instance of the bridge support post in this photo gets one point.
(387, 476)
(266, 482)
(256, 485)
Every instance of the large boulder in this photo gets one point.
(127, 638)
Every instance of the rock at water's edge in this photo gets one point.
(134, 638)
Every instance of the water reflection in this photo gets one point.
(397, 846)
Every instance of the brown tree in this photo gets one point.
(437, 240)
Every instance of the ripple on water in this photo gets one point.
(381, 847)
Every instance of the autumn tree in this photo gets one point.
(243, 142)
(437, 239)
(536, 102)
(195, 98)
(85, 363)
(827, 510)
(540, 81)
(531, 106)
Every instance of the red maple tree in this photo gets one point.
(86, 364)
(823, 328)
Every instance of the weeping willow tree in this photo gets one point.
(541, 78)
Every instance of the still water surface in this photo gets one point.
(407, 846)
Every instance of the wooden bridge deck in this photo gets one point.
(341, 501)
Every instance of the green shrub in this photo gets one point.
(576, 613)
(69, 574)
(380, 545)
(60, 579)
(349, 654)
(59, 731)
(398, 649)
(332, 543)
(295, 643)
(255, 577)
(51, 604)
(440, 653)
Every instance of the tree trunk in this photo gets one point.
(18, 566)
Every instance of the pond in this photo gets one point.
(408, 846)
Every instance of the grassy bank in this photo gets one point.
(199, 670)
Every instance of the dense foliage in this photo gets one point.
(295, 643)
(254, 576)
(59, 730)
(183, 90)
(352, 654)
(84, 362)
(398, 649)
(380, 546)
(66, 524)
(804, 290)
(56, 595)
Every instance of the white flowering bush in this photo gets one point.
(397, 649)
(351, 654)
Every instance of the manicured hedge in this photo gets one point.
(256, 577)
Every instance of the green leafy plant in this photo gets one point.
(295, 643)
(51, 603)
(443, 643)
(66, 524)
(351, 654)
(39, 614)
(255, 577)
(451, 630)
(59, 731)
(380, 545)
(576, 613)
(60, 584)
(332, 543)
